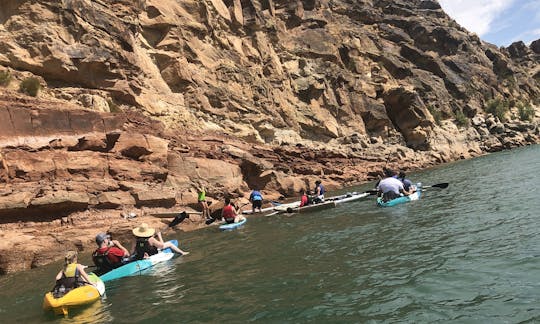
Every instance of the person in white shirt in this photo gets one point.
(390, 187)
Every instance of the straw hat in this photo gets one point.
(143, 231)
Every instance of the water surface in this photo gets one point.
(466, 254)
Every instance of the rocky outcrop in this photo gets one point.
(145, 100)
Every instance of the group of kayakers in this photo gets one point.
(111, 254)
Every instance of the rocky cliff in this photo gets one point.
(144, 100)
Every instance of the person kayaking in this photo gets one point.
(407, 184)
(109, 255)
(319, 192)
(256, 199)
(146, 244)
(229, 213)
(390, 187)
(305, 199)
(71, 276)
(201, 198)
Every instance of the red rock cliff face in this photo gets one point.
(144, 100)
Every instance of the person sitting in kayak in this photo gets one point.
(305, 199)
(71, 276)
(109, 255)
(407, 184)
(146, 244)
(390, 187)
(229, 213)
(256, 199)
(319, 192)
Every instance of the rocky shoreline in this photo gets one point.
(63, 181)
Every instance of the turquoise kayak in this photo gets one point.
(401, 200)
(225, 227)
(136, 267)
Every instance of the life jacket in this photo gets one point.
(102, 262)
(143, 246)
(228, 213)
(70, 280)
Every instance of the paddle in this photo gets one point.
(443, 185)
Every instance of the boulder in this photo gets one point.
(156, 198)
(115, 199)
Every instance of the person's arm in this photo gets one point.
(80, 267)
(121, 247)
(403, 191)
(59, 275)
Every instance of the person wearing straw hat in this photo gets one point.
(147, 245)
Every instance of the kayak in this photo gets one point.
(329, 202)
(401, 200)
(314, 207)
(263, 210)
(136, 267)
(225, 227)
(349, 197)
(79, 296)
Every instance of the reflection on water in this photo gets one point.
(468, 253)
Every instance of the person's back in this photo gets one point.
(228, 213)
(304, 200)
(109, 255)
(71, 276)
(256, 200)
(390, 187)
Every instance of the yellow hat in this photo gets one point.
(143, 231)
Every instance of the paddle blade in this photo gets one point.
(440, 185)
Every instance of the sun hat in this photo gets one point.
(143, 231)
(102, 237)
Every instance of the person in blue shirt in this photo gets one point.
(256, 199)
(407, 184)
(319, 192)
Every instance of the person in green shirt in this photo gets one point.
(202, 202)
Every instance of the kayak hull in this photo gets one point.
(79, 296)
(398, 201)
(330, 202)
(136, 267)
(227, 227)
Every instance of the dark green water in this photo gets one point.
(466, 254)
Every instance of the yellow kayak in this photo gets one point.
(78, 296)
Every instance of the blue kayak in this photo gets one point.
(401, 200)
(136, 267)
(225, 227)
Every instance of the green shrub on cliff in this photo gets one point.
(30, 86)
(113, 107)
(5, 78)
(498, 108)
(437, 115)
(461, 119)
(526, 112)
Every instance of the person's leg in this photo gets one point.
(239, 218)
(174, 248)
